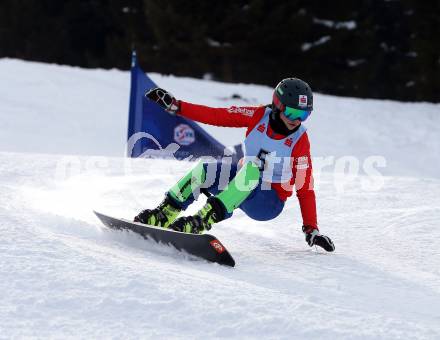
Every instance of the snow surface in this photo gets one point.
(63, 275)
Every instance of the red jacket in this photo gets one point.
(248, 117)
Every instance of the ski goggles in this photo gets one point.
(289, 112)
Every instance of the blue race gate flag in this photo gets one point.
(152, 132)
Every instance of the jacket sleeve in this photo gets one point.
(303, 177)
(231, 117)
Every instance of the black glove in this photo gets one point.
(164, 99)
(314, 238)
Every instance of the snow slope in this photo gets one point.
(65, 276)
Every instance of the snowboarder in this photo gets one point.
(277, 159)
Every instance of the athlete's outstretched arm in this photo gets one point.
(231, 117)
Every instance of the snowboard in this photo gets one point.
(204, 246)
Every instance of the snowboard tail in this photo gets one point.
(204, 246)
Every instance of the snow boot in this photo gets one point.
(212, 212)
(176, 199)
(162, 216)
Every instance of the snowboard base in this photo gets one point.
(204, 246)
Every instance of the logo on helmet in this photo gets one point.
(302, 100)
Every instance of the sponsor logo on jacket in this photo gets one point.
(302, 163)
(241, 110)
